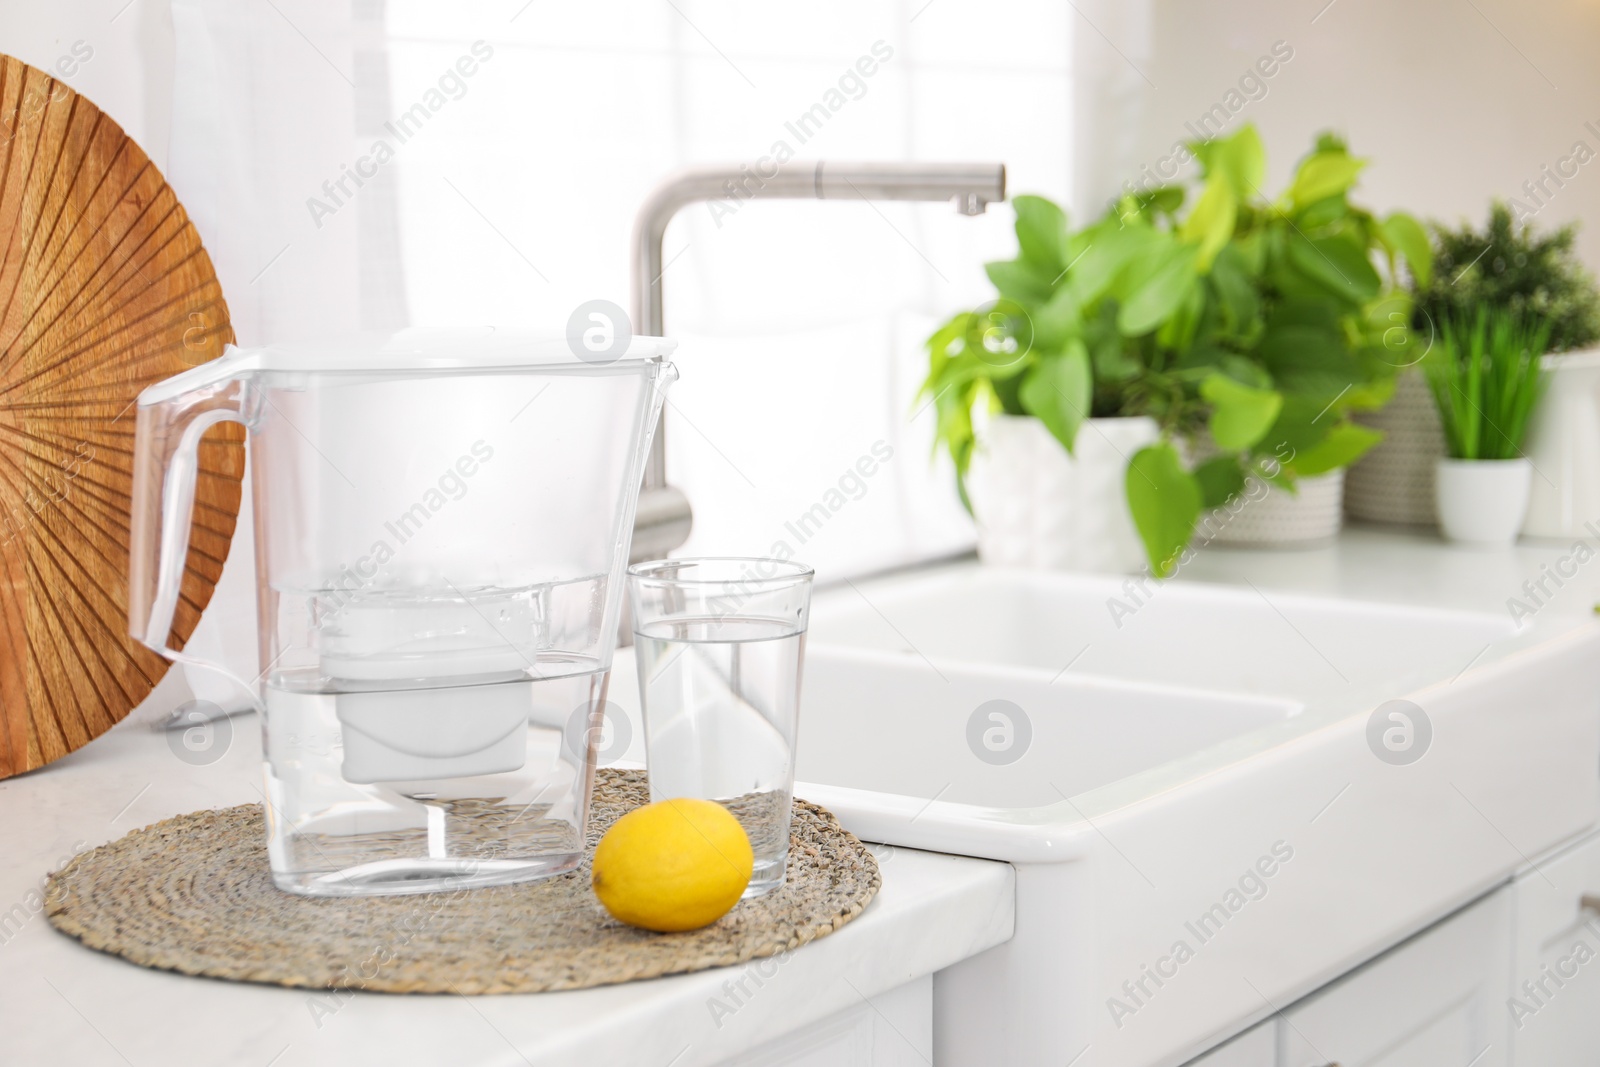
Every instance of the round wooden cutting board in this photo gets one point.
(104, 289)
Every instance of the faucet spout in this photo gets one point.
(970, 186)
(664, 514)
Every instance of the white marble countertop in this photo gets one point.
(61, 1003)
(1418, 568)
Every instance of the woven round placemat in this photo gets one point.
(193, 894)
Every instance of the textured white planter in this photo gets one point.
(1041, 508)
(1564, 445)
(1275, 518)
(1394, 481)
(1483, 501)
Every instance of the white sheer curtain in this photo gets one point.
(271, 102)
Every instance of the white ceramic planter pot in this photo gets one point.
(1483, 502)
(1039, 507)
(1276, 518)
(1564, 445)
(1393, 482)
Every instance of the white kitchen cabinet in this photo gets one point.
(1512, 980)
(893, 1029)
(1436, 1000)
(1554, 1007)
(1256, 1047)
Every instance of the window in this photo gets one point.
(520, 139)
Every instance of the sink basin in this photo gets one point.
(1052, 738)
(1183, 634)
(1146, 762)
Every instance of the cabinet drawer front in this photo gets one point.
(1436, 999)
(1552, 1007)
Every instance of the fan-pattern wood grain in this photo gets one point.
(104, 289)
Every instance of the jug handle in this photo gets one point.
(165, 470)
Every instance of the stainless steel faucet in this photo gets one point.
(664, 515)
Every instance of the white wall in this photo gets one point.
(1455, 101)
(129, 76)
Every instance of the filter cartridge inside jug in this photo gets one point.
(432, 685)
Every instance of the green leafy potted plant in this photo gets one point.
(1322, 343)
(1244, 330)
(1051, 353)
(1486, 378)
(1507, 266)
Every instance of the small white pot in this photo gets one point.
(1564, 446)
(1483, 501)
(1041, 508)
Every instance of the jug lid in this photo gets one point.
(416, 349)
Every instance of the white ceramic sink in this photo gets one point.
(1239, 640)
(1216, 732)
(1082, 732)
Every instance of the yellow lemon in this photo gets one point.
(673, 865)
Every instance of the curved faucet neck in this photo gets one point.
(971, 187)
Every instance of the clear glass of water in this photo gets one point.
(721, 644)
